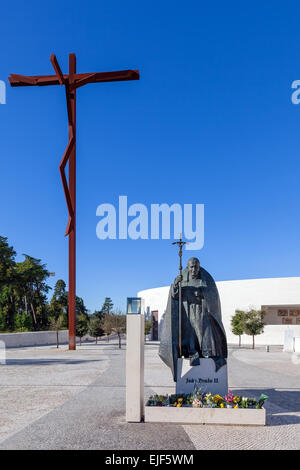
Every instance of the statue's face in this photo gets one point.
(194, 268)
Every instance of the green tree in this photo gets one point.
(95, 327)
(106, 310)
(23, 322)
(107, 325)
(7, 262)
(8, 298)
(60, 294)
(2, 321)
(56, 324)
(115, 323)
(99, 314)
(82, 326)
(238, 324)
(31, 286)
(80, 307)
(107, 306)
(254, 324)
(58, 306)
(8, 306)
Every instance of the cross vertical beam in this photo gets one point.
(72, 191)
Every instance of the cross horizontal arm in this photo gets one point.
(98, 77)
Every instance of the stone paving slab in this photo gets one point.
(36, 380)
(87, 411)
(252, 372)
(95, 419)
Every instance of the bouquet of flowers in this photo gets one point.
(219, 401)
(229, 399)
(196, 398)
(197, 403)
(261, 400)
(209, 400)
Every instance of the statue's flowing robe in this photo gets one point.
(202, 330)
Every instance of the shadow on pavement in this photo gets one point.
(285, 401)
(45, 362)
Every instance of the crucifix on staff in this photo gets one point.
(71, 82)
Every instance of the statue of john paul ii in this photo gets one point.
(202, 331)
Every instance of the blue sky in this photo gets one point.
(210, 121)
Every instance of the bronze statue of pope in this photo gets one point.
(202, 331)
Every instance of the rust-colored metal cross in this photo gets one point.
(72, 81)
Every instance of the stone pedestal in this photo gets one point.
(134, 367)
(204, 376)
(164, 414)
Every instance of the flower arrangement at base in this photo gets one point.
(198, 399)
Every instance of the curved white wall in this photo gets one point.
(240, 295)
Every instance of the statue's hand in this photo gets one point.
(178, 279)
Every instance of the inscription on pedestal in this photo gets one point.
(204, 376)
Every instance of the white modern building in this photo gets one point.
(278, 297)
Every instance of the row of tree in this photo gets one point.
(249, 322)
(102, 323)
(24, 304)
(23, 291)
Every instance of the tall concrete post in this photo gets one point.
(134, 367)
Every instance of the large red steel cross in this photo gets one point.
(71, 81)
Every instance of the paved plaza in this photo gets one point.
(59, 399)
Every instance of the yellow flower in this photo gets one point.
(217, 398)
(222, 405)
(175, 404)
(180, 399)
(179, 405)
(236, 399)
(236, 406)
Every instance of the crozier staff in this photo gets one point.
(180, 243)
